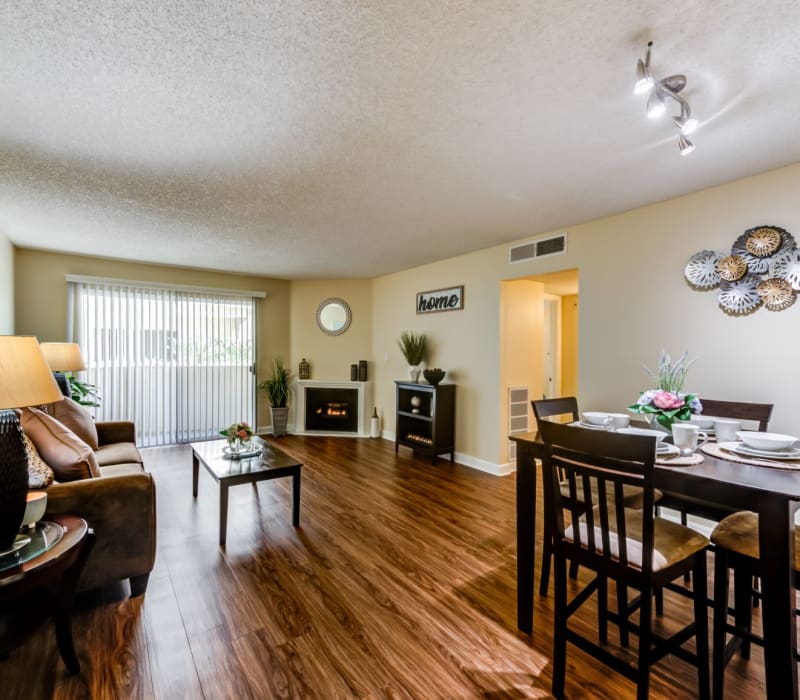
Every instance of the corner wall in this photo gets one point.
(330, 356)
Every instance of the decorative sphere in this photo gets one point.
(416, 401)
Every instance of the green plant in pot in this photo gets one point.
(278, 389)
(413, 347)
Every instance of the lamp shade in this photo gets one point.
(63, 357)
(25, 378)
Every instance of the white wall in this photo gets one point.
(6, 286)
(634, 302)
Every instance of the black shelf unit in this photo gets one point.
(432, 430)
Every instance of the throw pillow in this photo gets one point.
(68, 456)
(40, 476)
(77, 419)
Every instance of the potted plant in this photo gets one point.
(278, 389)
(413, 347)
(668, 402)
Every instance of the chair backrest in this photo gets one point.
(739, 410)
(608, 461)
(547, 408)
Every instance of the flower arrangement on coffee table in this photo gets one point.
(238, 436)
(668, 402)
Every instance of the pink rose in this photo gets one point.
(666, 400)
(242, 434)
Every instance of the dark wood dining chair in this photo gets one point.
(737, 549)
(633, 548)
(567, 406)
(739, 410)
(562, 406)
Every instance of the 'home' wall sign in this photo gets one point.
(450, 299)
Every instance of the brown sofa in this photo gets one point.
(120, 506)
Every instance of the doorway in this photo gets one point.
(538, 346)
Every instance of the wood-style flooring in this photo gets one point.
(399, 583)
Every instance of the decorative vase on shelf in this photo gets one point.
(305, 369)
(413, 373)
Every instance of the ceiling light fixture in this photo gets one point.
(656, 103)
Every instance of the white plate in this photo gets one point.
(664, 448)
(741, 448)
(589, 426)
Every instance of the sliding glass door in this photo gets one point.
(180, 364)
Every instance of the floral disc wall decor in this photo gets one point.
(762, 269)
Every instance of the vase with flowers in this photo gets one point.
(238, 436)
(667, 402)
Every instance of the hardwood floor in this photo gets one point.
(400, 583)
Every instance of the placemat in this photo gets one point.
(715, 450)
(686, 461)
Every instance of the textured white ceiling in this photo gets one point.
(311, 139)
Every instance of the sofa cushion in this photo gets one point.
(77, 419)
(68, 456)
(40, 476)
(120, 469)
(117, 453)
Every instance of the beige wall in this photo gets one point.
(521, 346)
(634, 302)
(331, 356)
(465, 343)
(41, 298)
(6, 286)
(569, 345)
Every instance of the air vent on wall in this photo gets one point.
(556, 245)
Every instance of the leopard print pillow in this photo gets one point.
(40, 475)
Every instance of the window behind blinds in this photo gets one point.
(178, 363)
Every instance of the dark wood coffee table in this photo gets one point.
(39, 582)
(272, 463)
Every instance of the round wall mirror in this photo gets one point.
(334, 316)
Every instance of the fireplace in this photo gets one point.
(331, 409)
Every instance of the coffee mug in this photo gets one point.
(726, 430)
(685, 437)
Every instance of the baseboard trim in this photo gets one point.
(466, 460)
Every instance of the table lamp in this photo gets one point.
(63, 357)
(25, 380)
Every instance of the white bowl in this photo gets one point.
(621, 420)
(657, 434)
(705, 422)
(595, 417)
(766, 441)
(34, 510)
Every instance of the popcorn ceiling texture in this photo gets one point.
(313, 139)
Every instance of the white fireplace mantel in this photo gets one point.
(363, 389)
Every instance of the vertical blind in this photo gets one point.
(178, 363)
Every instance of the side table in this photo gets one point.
(38, 582)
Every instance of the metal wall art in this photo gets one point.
(763, 268)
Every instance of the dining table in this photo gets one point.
(771, 492)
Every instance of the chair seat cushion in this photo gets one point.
(631, 495)
(117, 453)
(739, 533)
(672, 542)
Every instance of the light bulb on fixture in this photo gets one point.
(685, 122)
(685, 145)
(655, 105)
(644, 80)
